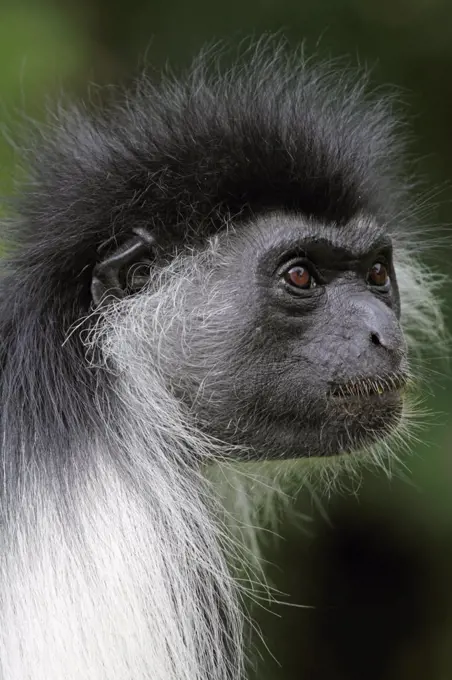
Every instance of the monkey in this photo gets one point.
(213, 274)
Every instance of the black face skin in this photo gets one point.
(310, 357)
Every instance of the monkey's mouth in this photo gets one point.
(370, 387)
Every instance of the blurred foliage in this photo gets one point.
(373, 569)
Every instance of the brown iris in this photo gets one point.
(300, 277)
(378, 275)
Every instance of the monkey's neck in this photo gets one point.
(120, 576)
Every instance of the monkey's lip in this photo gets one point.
(370, 387)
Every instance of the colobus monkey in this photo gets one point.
(212, 274)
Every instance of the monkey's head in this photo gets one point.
(267, 207)
(282, 314)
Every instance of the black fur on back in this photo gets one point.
(179, 158)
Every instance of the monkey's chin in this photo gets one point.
(356, 422)
(341, 427)
(338, 426)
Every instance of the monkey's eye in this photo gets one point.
(378, 275)
(299, 276)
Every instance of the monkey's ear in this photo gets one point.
(110, 275)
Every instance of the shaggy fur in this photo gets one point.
(115, 556)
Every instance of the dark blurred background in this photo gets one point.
(374, 568)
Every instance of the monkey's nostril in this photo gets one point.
(375, 339)
(388, 341)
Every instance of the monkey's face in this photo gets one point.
(305, 356)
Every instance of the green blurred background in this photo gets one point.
(375, 569)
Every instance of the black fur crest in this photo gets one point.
(181, 157)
